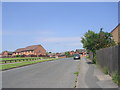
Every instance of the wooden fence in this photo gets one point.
(109, 58)
(91, 55)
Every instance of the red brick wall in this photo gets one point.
(116, 34)
(40, 51)
(5, 53)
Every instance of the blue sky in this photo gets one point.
(58, 27)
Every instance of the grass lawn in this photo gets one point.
(19, 58)
(8, 66)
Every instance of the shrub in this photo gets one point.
(17, 55)
(94, 60)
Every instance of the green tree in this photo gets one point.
(104, 40)
(89, 41)
(67, 54)
(94, 41)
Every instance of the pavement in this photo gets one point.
(52, 74)
(92, 77)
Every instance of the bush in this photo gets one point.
(94, 60)
(119, 43)
(18, 56)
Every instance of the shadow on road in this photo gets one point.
(89, 63)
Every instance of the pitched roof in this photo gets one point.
(9, 52)
(80, 50)
(115, 28)
(20, 49)
(33, 47)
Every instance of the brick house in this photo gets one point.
(80, 51)
(6, 54)
(34, 50)
(72, 52)
(116, 34)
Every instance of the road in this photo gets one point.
(52, 74)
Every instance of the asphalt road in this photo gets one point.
(52, 74)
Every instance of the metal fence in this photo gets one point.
(109, 58)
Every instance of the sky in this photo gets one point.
(57, 26)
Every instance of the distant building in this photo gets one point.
(80, 51)
(51, 54)
(34, 50)
(56, 55)
(116, 34)
(72, 52)
(6, 54)
(83, 52)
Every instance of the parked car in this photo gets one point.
(76, 56)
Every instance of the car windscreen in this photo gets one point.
(76, 55)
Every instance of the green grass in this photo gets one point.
(19, 58)
(14, 65)
(115, 75)
(105, 70)
(88, 57)
(116, 78)
(76, 73)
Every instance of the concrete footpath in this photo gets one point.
(92, 77)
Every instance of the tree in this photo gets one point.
(104, 40)
(94, 41)
(89, 41)
(67, 54)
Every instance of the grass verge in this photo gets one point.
(103, 69)
(14, 65)
(76, 79)
(76, 73)
(21, 58)
(116, 78)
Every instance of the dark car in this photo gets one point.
(76, 56)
